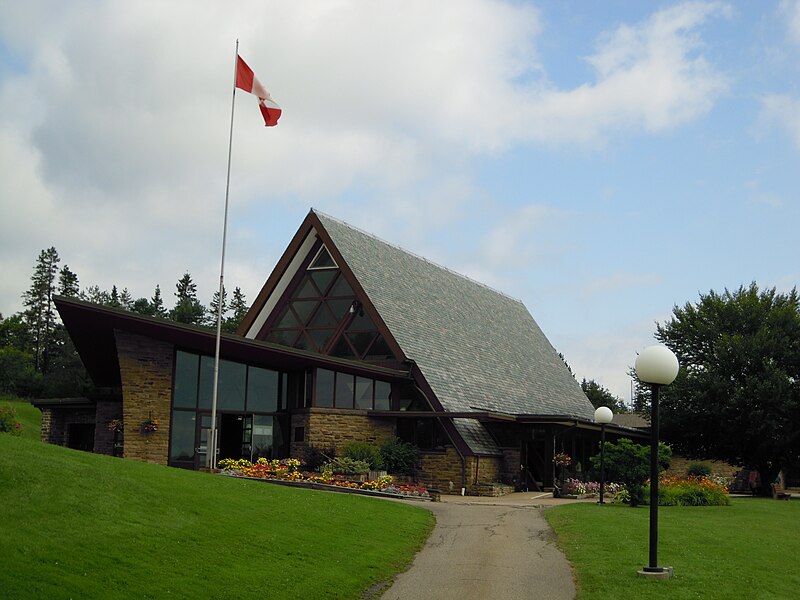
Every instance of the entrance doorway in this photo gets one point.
(234, 437)
(534, 462)
(80, 436)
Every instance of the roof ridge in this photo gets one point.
(417, 256)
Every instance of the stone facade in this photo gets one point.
(510, 472)
(333, 428)
(442, 471)
(146, 368)
(103, 436)
(483, 469)
(56, 421)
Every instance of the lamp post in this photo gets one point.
(603, 415)
(656, 365)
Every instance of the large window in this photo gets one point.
(242, 388)
(342, 390)
(250, 401)
(321, 313)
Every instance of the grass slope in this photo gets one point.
(76, 524)
(28, 415)
(747, 550)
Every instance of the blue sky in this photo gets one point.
(601, 162)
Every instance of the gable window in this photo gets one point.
(321, 313)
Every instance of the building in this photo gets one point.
(350, 338)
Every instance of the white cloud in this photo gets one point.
(783, 110)
(114, 119)
(791, 12)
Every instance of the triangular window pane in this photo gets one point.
(303, 343)
(284, 338)
(379, 349)
(361, 322)
(286, 320)
(342, 349)
(341, 288)
(306, 289)
(323, 318)
(323, 279)
(323, 260)
(339, 308)
(361, 341)
(304, 308)
(320, 337)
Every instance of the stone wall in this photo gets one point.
(483, 469)
(145, 367)
(55, 423)
(441, 470)
(510, 471)
(334, 428)
(103, 436)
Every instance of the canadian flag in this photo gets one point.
(246, 80)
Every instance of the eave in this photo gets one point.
(92, 328)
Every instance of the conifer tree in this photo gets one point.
(238, 309)
(211, 317)
(39, 314)
(68, 283)
(157, 304)
(187, 308)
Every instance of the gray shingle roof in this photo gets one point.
(477, 348)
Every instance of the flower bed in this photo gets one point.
(691, 491)
(288, 469)
(578, 488)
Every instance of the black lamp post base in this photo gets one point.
(656, 572)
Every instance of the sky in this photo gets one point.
(601, 162)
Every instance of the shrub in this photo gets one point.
(399, 456)
(698, 470)
(316, 457)
(629, 464)
(347, 466)
(363, 451)
(8, 420)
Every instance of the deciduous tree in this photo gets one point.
(737, 395)
(601, 396)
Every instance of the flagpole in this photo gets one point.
(211, 458)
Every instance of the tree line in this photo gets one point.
(37, 357)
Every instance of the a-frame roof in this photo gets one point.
(478, 349)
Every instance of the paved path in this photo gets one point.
(487, 548)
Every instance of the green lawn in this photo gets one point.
(750, 549)
(27, 414)
(76, 524)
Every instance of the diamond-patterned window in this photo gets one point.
(322, 314)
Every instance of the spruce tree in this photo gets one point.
(157, 304)
(213, 308)
(238, 309)
(39, 314)
(68, 283)
(187, 308)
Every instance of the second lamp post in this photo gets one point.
(604, 416)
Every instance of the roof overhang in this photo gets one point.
(92, 329)
(496, 417)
